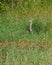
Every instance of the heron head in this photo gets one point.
(30, 20)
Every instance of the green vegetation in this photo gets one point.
(26, 8)
(26, 48)
(26, 52)
(17, 45)
(12, 29)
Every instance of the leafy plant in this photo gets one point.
(40, 26)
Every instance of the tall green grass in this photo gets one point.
(14, 54)
(15, 29)
(17, 45)
(25, 8)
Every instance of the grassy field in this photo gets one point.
(12, 29)
(26, 52)
(17, 45)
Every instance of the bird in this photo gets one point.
(30, 28)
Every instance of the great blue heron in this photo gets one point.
(30, 21)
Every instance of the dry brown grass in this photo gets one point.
(41, 43)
